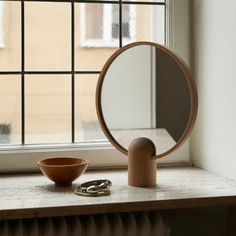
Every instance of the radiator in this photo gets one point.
(123, 224)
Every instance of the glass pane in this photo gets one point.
(146, 23)
(48, 109)
(127, 20)
(47, 36)
(10, 36)
(115, 21)
(93, 21)
(10, 113)
(91, 53)
(87, 126)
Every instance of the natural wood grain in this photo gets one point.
(141, 166)
(26, 196)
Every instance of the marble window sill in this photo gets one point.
(33, 195)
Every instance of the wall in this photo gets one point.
(178, 28)
(213, 141)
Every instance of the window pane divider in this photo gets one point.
(72, 72)
(46, 72)
(23, 69)
(143, 3)
(120, 24)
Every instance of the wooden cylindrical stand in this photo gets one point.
(141, 166)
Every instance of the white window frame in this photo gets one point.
(2, 44)
(101, 155)
(106, 40)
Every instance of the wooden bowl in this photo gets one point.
(63, 170)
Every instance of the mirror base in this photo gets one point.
(141, 165)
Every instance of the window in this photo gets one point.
(54, 52)
(100, 24)
(1, 26)
(48, 78)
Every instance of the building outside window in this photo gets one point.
(100, 24)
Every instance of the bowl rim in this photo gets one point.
(84, 161)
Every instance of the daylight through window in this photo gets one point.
(51, 55)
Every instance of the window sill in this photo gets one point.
(33, 195)
(103, 155)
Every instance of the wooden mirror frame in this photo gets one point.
(148, 178)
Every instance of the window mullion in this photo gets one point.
(72, 72)
(120, 24)
(22, 72)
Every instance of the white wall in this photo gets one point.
(213, 143)
(179, 24)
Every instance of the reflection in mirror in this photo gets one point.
(145, 94)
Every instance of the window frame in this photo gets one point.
(24, 158)
(106, 40)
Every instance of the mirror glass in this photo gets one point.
(145, 93)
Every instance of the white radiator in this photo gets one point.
(124, 224)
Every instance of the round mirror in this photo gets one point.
(145, 90)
